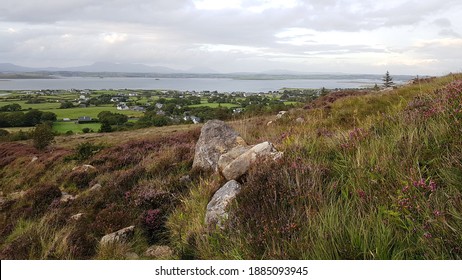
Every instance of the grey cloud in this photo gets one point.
(171, 32)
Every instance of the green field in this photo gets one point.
(39, 106)
(63, 127)
(75, 113)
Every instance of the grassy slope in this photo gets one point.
(368, 177)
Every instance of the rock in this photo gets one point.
(227, 158)
(122, 235)
(280, 114)
(34, 159)
(84, 168)
(241, 164)
(77, 217)
(269, 123)
(300, 120)
(216, 139)
(65, 197)
(159, 252)
(95, 187)
(216, 209)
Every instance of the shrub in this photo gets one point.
(39, 198)
(4, 132)
(111, 219)
(86, 150)
(42, 136)
(153, 222)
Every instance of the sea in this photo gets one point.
(182, 84)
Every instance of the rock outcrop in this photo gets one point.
(122, 235)
(216, 139)
(216, 209)
(235, 163)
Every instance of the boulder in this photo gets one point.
(122, 235)
(234, 165)
(216, 139)
(227, 158)
(216, 209)
(159, 252)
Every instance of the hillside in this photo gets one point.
(370, 175)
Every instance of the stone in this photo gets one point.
(65, 197)
(216, 212)
(159, 252)
(241, 164)
(84, 168)
(122, 235)
(300, 120)
(216, 139)
(77, 216)
(227, 158)
(269, 123)
(95, 187)
(34, 159)
(280, 114)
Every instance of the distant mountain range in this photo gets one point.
(95, 67)
(109, 69)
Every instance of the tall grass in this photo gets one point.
(371, 177)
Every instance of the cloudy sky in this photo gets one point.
(353, 36)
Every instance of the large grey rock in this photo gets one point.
(234, 165)
(216, 139)
(227, 158)
(122, 235)
(216, 209)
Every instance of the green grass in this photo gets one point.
(63, 127)
(39, 106)
(75, 113)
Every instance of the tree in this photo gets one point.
(11, 108)
(387, 80)
(66, 105)
(42, 136)
(112, 118)
(105, 127)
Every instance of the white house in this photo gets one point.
(122, 106)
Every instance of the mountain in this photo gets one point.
(121, 67)
(95, 67)
(9, 67)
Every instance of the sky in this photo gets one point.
(350, 36)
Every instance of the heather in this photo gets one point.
(366, 175)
